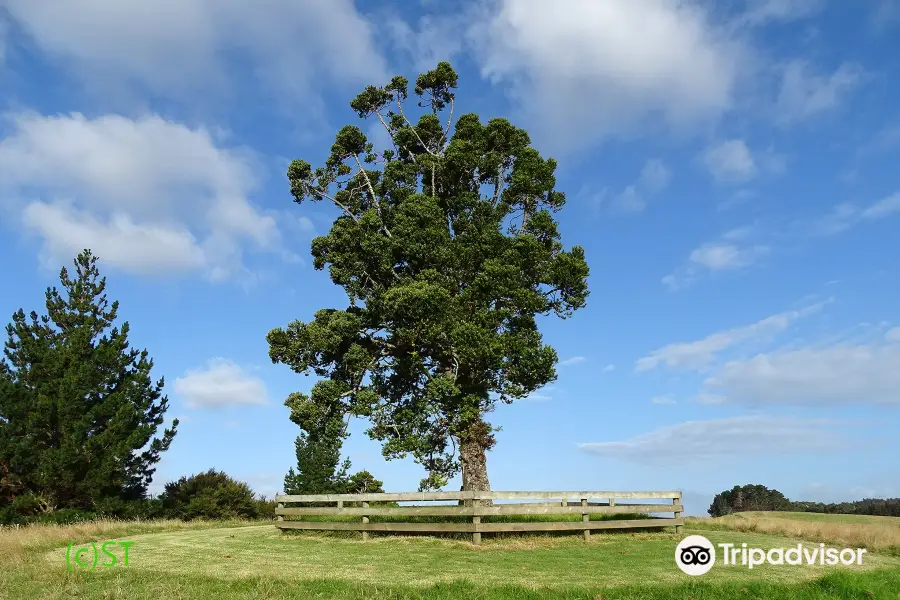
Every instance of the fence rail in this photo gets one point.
(543, 503)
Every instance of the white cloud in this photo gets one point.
(763, 11)
(893, 335)
(139, 248)
(608, 368)
(719, 438)
(805, 94)
(700, 354)
(730, 161)
(882, 208)
(586, 68)
(846, 215)
(718, 256)
(179, 48)
(146, 195)
(654, 178)
(220, 383)
(662, 400)
(728, 253)
(435, 38)
(575, 360)
(841, 374)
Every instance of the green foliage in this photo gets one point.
(883, 507)
(448, 250)
(318, 469)
(78, 408)
(761, 498)
(363, 482)
(209, 495)
(748, 498)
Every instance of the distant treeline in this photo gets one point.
(760, 498)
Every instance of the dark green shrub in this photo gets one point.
(209, 495)
(265, 509)
(64, 516)
(129, 510)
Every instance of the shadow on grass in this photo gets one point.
(148, 586)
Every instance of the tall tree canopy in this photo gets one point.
(78, 408)
(447, 249)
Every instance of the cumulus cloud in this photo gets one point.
(118, 240)
(732, 251)
(662, 400)
(806, 94)
(147, 195)
(702, 353)
(177, 48)
(730, 161)
(586, 68)
(717, 256)
(718, 438)
(221, 382)
(841, 374)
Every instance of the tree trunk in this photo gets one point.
(473, 459)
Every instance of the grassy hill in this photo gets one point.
(169, 560)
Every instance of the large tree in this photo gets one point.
(447, 249)
(78, 408)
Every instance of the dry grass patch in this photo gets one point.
(877, 534)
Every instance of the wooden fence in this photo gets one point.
(542, 503)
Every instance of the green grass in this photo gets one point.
(206, 561)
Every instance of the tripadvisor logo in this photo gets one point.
(696, 555)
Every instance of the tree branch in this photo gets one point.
(416, 133)
(449, 122)
(374, 196)
(344, 208)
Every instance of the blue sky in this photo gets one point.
(731, 170)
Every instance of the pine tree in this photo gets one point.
(319, 467)
(78, 408)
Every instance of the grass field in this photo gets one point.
(171, 560)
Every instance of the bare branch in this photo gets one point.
(449, 123)
(402, 114)
(372, 191)
(336, 202)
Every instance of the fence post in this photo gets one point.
(675, 501)
(365, 520)
(281, 505)
(476, 536)
(340, 504)
(612, 501)
(586, 518)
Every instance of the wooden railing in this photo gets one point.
(543, 503)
